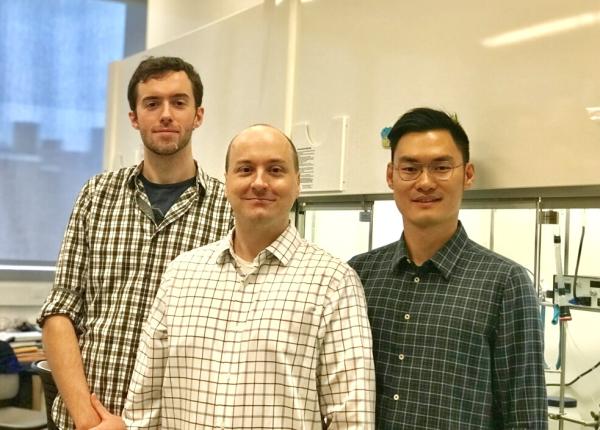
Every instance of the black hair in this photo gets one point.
(153, 67)
(426, 119)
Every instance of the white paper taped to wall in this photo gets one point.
(321, 156)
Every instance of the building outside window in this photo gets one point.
(55, 56)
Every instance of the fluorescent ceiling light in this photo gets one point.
(593, 113)
(278, 2)
(543, 29)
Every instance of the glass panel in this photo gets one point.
(387, 223)
(339, 232)
(514, 235)
(477, 224)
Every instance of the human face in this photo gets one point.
(261, 182)
(166, 113)
(427, 203)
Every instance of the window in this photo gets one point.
(55, 57)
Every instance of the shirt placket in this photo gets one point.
(233, 345)
(150, 236)
(407, 329)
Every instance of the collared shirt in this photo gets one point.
(457, 341)
(111, 261)
(278, 348)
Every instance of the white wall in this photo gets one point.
(170, 19)
(523, 104)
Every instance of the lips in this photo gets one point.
(259, 199)
(166, 130)
(426, 199)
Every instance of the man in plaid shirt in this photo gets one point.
(457, 340)
(124, 229)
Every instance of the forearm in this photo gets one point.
(64, 357)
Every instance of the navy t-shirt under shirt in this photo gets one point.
(163, 196)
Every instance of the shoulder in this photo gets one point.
(102, 188)
(192, 259)
(214, 195)
(319, 262)
(214, 187)
(374, 258)
(114, 180)
(315, 255)
(330, 275)
(488, 264)
(479, 255)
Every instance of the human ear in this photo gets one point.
(389, 176)
(134, 120)
(199, 118)
(469, 178)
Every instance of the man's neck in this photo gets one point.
(250, 240)
(161, 169)
(424, 243)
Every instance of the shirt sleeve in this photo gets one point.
(143, 405)
(346, 375)
(70, 282)
(518, 379)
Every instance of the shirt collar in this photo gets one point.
(283, 248)
(445, 259)
(201, 178)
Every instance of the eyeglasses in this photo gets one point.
(440, 170)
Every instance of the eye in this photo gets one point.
(441, 168)
(243, 169)
(150, 104)
(409, 168)
(277, 170)
(180, 103)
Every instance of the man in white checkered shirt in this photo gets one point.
(261, 330)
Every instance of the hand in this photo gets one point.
(109, 421)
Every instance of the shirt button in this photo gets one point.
(417, 279)
(396, 397)
(401, 357)
(406, 317)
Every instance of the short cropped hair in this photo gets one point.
(153, 67)
(426, 119)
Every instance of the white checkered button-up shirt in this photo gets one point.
(279, 348)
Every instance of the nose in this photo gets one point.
(425, 181)
(259, 183)
(165, 114)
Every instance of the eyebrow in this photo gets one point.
(271, 161)
(409, 159)
(174, 96)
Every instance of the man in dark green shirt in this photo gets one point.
(456, 336)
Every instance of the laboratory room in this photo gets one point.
(446, 158)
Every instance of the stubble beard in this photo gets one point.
(169, 149)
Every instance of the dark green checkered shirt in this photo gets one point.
(457, 342)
